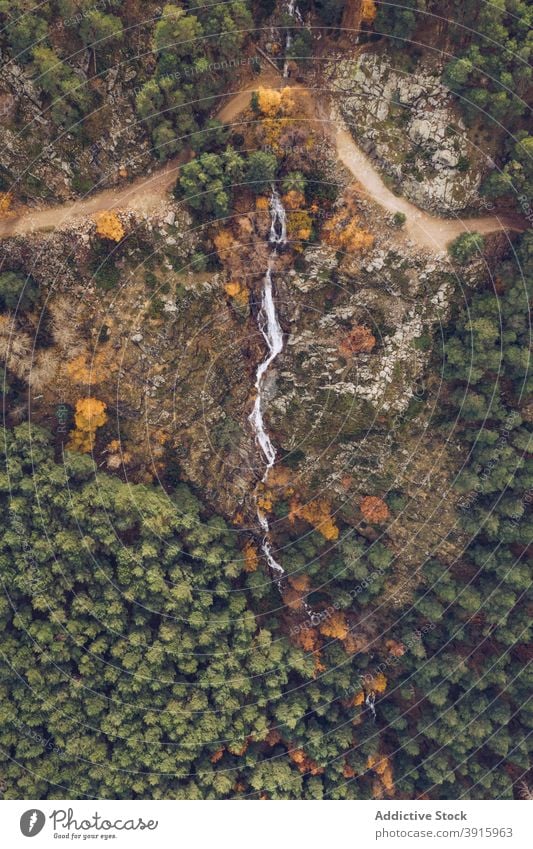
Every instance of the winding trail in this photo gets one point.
(147, 194)
(426, 230)
(144, 194)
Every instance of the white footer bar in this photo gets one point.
(266, 824)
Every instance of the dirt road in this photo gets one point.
(146, 194)
(426, 230)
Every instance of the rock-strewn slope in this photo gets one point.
(407, 123)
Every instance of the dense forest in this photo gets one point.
(147, 652)
(141, 657)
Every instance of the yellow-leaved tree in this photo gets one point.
(318, 514)
(251, 557)
(82, 370)
(5, 203)
(90, 415)
(335, 626)
(109, 226)
(347, 234)
(238, 292)
(368, 11)
(273, 103)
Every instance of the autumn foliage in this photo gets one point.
(293, 599)
(224, 242)
(360, 340)
(304, 763)
(377, 684)
(343, 232)
(293, 199)
(300, 582)
(318, 514)
(368, 12)
(217, 755)
(5, 203)
(354, 643)
(381, 765)
(265, 500)
(273, 103)
(81, 371)
(299, 225)
(335, 626)
(237, 292)
(251, 557)
(109, 226)
(295, 594)
(275, 107)
(395, 649)
(307, 639)
(374, 509)
(117, 456)
(90, 415)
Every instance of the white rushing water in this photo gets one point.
(278, 220)
(294, 12)
(273, 335)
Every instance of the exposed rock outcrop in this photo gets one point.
(407, 123)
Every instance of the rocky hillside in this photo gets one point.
(405, 119)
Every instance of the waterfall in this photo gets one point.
(370, 702)
(273, 335)
(278, 220)
(294, 12)
(270, 328)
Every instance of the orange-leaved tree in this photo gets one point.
(251, 557)
(360, 340)
(395, 649)
(376, 683)
(343, 231)
(381, 765)
(304, 763)
(374, 509)
(335, 626)
(294, 595)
